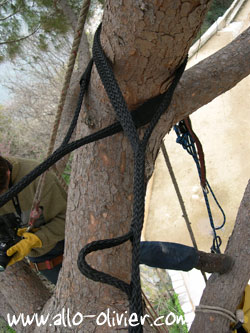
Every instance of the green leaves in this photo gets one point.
(47, 19)
(20, 19)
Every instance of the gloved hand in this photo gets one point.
(21, 231)
(23, 247)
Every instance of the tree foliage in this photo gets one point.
(35, 83)
(20, 19)
(35, 88)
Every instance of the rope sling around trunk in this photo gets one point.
(133, 290)
(128, 122)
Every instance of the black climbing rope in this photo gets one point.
(133, 290)
(149, 112)
(141, 116)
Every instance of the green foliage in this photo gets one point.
(174, 306)
(157, 286)
(4, 327)
(23, 18)
(20, 19)
(217, 9)
(9, 330)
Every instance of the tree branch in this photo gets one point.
(202, 83)
(217, 289)
(9, 16)
(32, 293)
(212, 77)
(3, 3)
(21, 38)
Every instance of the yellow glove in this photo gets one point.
(23, 247)
(21, 231)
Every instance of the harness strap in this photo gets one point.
(47, 264)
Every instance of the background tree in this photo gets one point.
(38, 70)
(35, 84)
(47, 20)
(145, 41)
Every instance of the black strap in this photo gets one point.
(16, 203)
(133, 290)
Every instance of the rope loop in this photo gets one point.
(139, 146)
(99, 276)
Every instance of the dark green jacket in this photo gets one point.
(53, 201)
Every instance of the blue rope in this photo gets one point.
(184, 138)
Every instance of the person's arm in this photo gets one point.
(54, 210)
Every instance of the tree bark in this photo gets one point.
(226, 290)
(23, 290)
(145, 41)
(5, 307)
(100, 194)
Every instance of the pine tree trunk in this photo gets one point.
(145, 41)
(101, 189)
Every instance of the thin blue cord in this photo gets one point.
(188, 144)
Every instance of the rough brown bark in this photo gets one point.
(101, 191)
(30, 288)
(226, 290)
(146, 41)
(23, 290)
(5, 307)
(214, 263)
